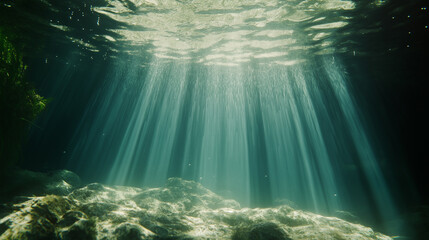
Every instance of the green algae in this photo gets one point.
(19, 102)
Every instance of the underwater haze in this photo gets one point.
(315, 103)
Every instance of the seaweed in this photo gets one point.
(19, 102)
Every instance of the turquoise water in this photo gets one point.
(266, 102)
(257, 135)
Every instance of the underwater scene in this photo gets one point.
(214, 119)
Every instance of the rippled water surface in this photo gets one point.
(207, 32)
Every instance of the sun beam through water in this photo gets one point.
(247, 98)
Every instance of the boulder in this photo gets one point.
(260, 231)
(23, 183)
(129, 231)
(61, 182)
(82, 229)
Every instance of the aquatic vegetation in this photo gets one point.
(19, 102)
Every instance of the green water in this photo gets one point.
(266, 102)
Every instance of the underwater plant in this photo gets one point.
(19, 102)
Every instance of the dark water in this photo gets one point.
(316, 102)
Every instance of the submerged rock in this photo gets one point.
(260, 231)
(23, 183)
(350, 217)
(180, 210)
